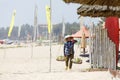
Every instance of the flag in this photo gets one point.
(35, 24)
(48, 18)
(12, 23)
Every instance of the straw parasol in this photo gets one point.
(98, 11)
(95, 2)
(97, 8)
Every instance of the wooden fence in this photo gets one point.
(102, 49)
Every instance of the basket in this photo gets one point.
(77, 60)
(60, 58)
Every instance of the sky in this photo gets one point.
(25, 12)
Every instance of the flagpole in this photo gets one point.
(50, 34)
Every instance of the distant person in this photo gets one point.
(69, 51)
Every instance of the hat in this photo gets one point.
(68, 36)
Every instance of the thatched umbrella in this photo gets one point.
(97, 8)
(98, 11)
(95, 2)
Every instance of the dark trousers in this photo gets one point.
(68, 61)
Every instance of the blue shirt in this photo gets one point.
(69, 47)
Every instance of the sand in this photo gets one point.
(33, 63)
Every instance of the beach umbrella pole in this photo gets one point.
(83, 50)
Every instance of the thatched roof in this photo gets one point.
(98, 11)
(95, 2)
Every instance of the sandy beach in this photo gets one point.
(33, 63)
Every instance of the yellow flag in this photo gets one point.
(12, 23)
(48, 18)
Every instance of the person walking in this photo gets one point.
(69, 51)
